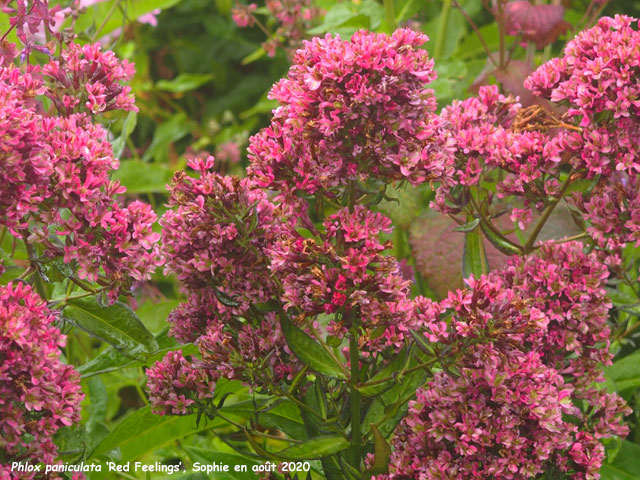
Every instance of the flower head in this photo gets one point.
(38, 393)
(351, 110)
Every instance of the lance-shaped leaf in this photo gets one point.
(474, 257)
(310, 352)
(115, 324)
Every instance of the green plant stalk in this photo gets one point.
(489, 224)
(528, 247)
(112, 10)
(442, 29)
(427, 364)
(356, 428)
(500, 21)
(390, 13)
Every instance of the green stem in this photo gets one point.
(33, 260)
(399, 242)
(327, 349)
(390, 13)
(442, 29)
(402, 372)
(356, 432)
(500, 22)
(474, 27)
(528, 247)
(490, 225)
(112, 10)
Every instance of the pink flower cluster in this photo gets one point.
(484, 134)
(29, 19)
(38, 393)
(88, 79)
(294, 18)
(349, 111)
(613, 211)
(216, 234)
(596, 82)
(174, 384)
(343, 272)
(56, 188)
(520, 352)
(216, 239)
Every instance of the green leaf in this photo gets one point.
(315, 448)
(127, 129)
(116, 324)
(185, 82)
(392, 367)
(143, 431)
(102, 13)
(110, 359)
(625, 372)
(474, 257)
(501, 244)
(253, 56)
(98, 403)
(283, 416)
(165, 134)
(143, 177)
(206, 456)
(468, 227)
(309, 351)
(626, 465)
(382, 452)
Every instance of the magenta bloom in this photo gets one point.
(351, 110)
(522, 352)
(55, 176)
(484, 138)
(38, 393)
(344, 272)
(596, 80)
(174, 384)
(216, 235)
(86, 79)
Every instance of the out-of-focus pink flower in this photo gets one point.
(541, 24)
(243, 15)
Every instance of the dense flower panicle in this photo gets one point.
(55, 176)
(190, 319)
(497, 418)
(344, 271)
(523, 347)
(216, 235)
(88, 79)
(257, 355)
(484, 136)
(351, 110)
(568, 287)
(175, 383)
(38, 393)
(597, 81)
(613, 210)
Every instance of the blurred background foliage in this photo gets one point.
(201, 86)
